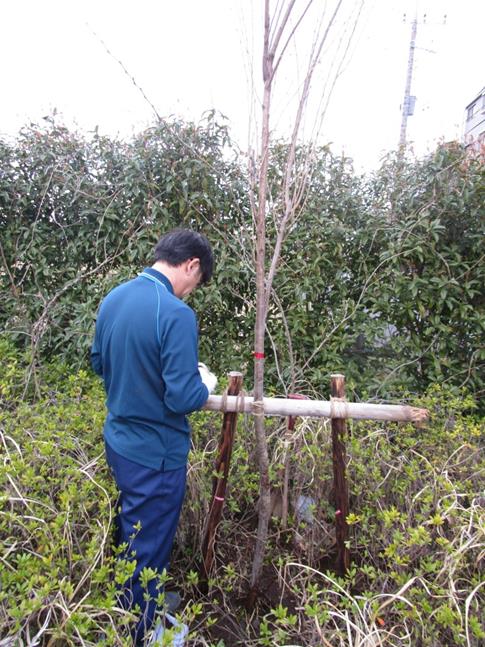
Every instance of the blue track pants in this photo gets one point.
(151, 499)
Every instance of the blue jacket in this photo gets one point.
(145, 349)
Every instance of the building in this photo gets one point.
(475, 122)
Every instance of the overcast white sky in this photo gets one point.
(194, 55)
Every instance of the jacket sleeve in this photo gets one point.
(184, 390)
(96, 361)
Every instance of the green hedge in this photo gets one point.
(381, 277)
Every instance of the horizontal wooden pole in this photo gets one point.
(318, 408)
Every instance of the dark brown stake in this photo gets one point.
(340, 486)
(219, 482)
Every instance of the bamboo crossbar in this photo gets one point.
(318, 408)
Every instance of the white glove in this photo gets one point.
(208, 378)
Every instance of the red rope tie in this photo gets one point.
(259, 355)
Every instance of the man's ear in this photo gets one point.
(193, 264)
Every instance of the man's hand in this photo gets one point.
(208, 378)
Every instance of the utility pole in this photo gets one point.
(408, 101)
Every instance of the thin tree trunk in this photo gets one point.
(287, 463)
(258, 409)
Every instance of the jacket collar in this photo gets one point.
(160, 277)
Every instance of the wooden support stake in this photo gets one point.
(340, 486)
(221, 474)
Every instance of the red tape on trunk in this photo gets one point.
(259, 355)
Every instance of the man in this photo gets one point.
(145, 349)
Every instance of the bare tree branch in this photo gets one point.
(130, 76)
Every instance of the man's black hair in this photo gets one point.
(180, 245)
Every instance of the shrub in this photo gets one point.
(417, 535)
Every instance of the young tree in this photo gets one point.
(280, 27)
